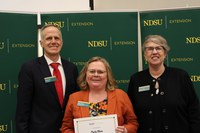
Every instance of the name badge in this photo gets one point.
(50, 79)
(144, 88)
(83, 104)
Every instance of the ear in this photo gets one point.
(146, 61)
(145, 56)
(41, 43)
(165, 54)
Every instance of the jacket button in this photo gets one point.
(150, 112)
(162, 93)
(164, 110)
(166, 127)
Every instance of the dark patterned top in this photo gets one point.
(100, 108)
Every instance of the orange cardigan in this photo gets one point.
(118, 103)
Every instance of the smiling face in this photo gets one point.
(96, 76)
(51, 42)
(154, 54)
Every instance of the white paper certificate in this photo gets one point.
(98, 124)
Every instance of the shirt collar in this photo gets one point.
(49, 61)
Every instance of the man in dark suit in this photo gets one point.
(38, 107)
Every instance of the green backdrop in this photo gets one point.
(18, 43)
(113, 35)
(110, 35)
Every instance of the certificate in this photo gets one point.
(98, 124)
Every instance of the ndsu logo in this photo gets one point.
(155, 22)
(2, 87)
(100, 43)
(3, 128)
(192, 40)
(195, 78)
(60, 24)
(2, 45)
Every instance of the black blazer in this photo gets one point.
(175, 109)
(38, 109)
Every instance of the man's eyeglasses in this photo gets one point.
(99, 72)
(151, 49)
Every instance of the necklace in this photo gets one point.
(156, 76)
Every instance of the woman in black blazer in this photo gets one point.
(163, 97)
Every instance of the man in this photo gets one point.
(39, 106)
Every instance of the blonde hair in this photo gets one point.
(111, 83)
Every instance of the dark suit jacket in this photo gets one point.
(38, 109)
(118, 103)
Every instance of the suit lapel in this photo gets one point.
(111, 102)
(44, 68)
(85, 98)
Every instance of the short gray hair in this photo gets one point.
(158, 40)
(46, 26)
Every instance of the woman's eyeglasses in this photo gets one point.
(99, 72)
(151, 49)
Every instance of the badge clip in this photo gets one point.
(144, 88)
(83, 104)
(50, 79)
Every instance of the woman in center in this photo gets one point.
(99, 96)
